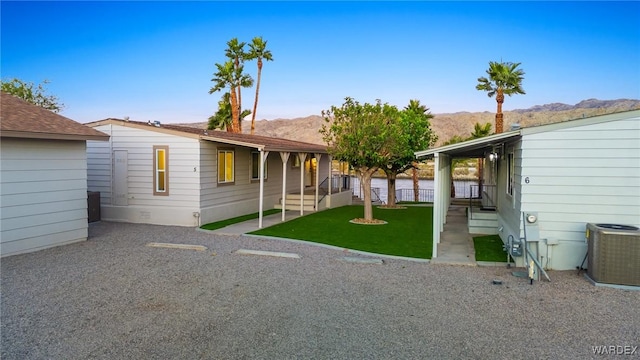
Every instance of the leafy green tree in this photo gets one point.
(258, 50)
(357, 134)
(504, 79)
(33, 94)
(228, 76)
(422, 113)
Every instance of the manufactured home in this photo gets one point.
(43, 177)
(545, 184)
(177, 175)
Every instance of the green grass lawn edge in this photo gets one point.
(235, 220)
(408, 232)
(489, 248)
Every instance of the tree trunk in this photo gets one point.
(365, 180)
(255, 103)
(416, 183)
(499, 118)
(235, 128)
(391, 189)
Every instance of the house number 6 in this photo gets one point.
(526, 180)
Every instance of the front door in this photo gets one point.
(310, 167)
(120, 177)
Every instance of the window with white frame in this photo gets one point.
(161, 170)
(226, 166)
(510, 173)
(255, 166)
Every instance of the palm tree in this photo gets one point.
(415, 107)
(222, 119)
(230, 76)
(258, 51)
(480, 131)
(235, 52)
(504, 79)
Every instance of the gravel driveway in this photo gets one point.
(112, 297)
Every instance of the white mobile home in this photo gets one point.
(561, 176)
(43, 177)
(176, 175)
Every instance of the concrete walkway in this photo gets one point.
(456, 244)
(252, 225)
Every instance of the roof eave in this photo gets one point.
(50, 136)
(484, 141)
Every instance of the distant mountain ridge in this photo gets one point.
(584, 104)
(447, 125)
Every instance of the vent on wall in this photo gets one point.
(613, 254)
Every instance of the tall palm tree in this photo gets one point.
(235, 52)
(230, 76)
(258, 50)
(504, 79)
(417, 108)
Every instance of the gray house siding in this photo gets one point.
(573, 176)
(43, 191)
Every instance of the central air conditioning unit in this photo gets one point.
(613, 254)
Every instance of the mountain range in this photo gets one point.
(447, 125)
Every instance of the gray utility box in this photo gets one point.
(613, 254)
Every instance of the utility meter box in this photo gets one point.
(515, 246)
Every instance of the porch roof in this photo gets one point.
(258, 142)
(472, 148)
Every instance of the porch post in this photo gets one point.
(302, 157)
(263, 158)
(437, 198)
(330, 175)
(341, 174)
(285, 158)
(318, 156)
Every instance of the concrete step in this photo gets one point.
(296, 197)
(295, 207)
(483, 215)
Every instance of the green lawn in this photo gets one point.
(408, 232)
(227, 222)
(489, 248)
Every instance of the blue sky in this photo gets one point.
(155, 60)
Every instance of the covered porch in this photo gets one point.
(480, 213)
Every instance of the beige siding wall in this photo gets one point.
(143, 206)
(222, 201)
(43, 191)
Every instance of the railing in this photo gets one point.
(375, 193)
(487, 197)
(341, 181)
(465, 191)
(424, 195)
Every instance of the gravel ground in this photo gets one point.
(112, 297)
